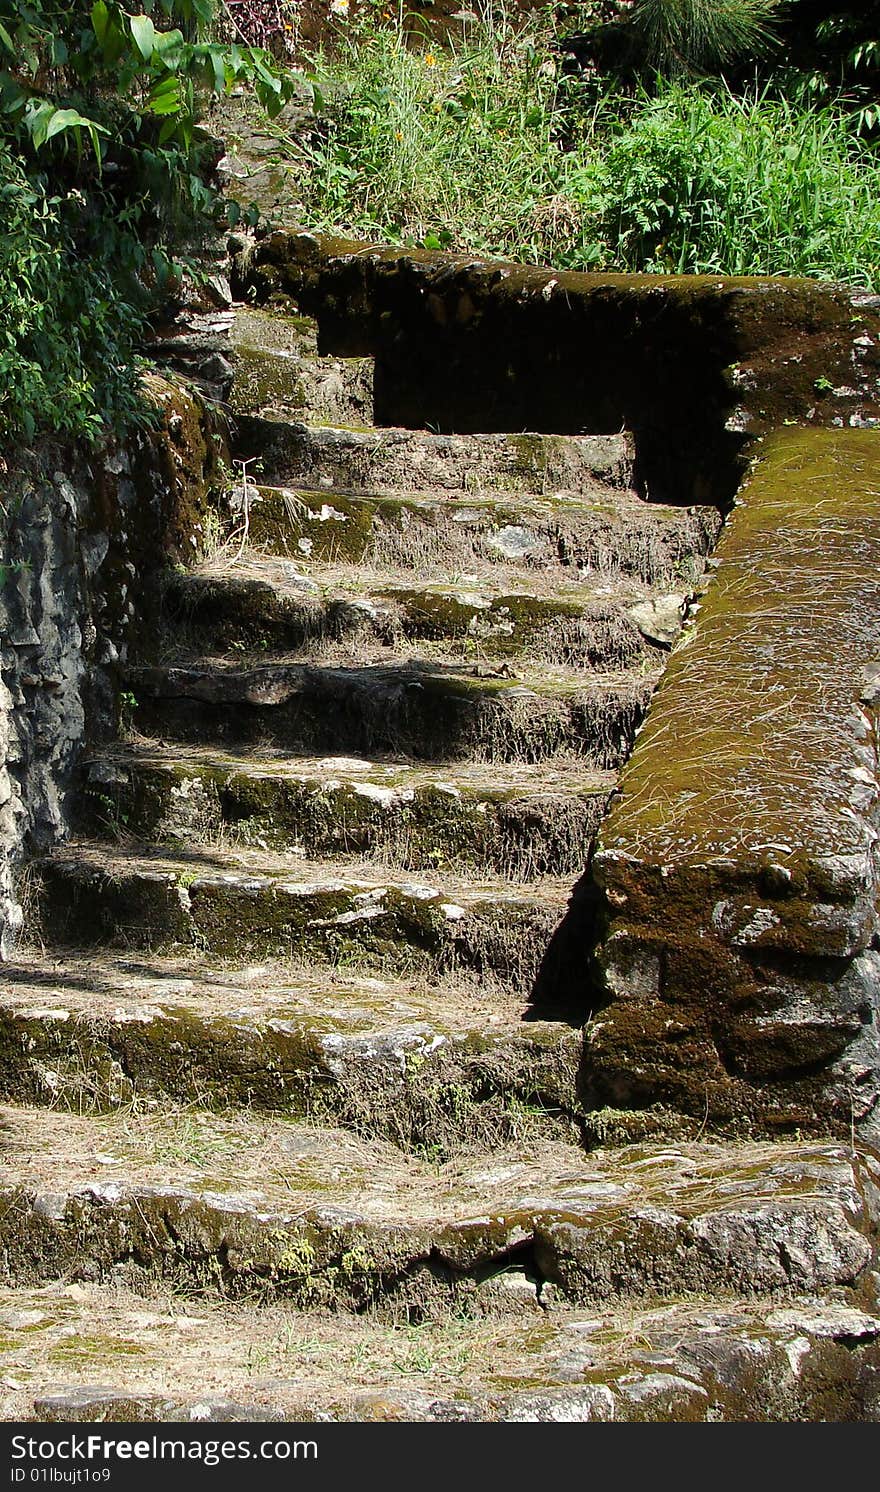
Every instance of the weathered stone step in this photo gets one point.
(480, 344)
(425, 1066)
(426, 710)
(806, 1360)
(253, 906)
(264, 1208)
(398, 460)
(278, 368)
(264, 604)
(496, 819)
(610, 534)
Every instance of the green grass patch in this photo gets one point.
(485, 149)
(700, 181)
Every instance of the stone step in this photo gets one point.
(253, 605)
(427, 1067)
(423, 709)
(194, 344)
(279, 369)
(263, 1208)
(171, 1361)
(612, 533)
(399, 460)
(247, 905)
(494, 819)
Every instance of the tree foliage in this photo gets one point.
(63, 63)
(847, 59)
(67, 336)
(104, 172)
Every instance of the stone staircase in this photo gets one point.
(297, 1124)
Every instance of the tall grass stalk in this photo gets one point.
(683, 36)
(459, 147)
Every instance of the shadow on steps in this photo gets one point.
(566, 987)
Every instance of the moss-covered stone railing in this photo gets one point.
(739, 865)
(693, 366)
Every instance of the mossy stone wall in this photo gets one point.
(84, 535)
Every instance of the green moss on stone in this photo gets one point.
(737, 864)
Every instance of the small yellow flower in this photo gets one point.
(398, 134)
(430, 59)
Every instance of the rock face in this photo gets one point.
(80, 535)
(278, 367)
(739, 863)
(335, 1221)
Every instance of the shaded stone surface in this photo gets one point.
(98, 1404)
(402, 460)
(72, 601)
(425, 709)
(277, 367)
(248, 905)
(433, 1070)
(739, 864)
(470, 344)
(608, 534)
(481, 817)
(290, 608)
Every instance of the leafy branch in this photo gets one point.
(104, 177)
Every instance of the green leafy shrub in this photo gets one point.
(66, 336)
(104, 174)
(699, 181)
(479, 151)
(459, 148)
(846, 62)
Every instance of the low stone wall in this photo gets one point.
(739, 865)
(82, 534)
(693, 366)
